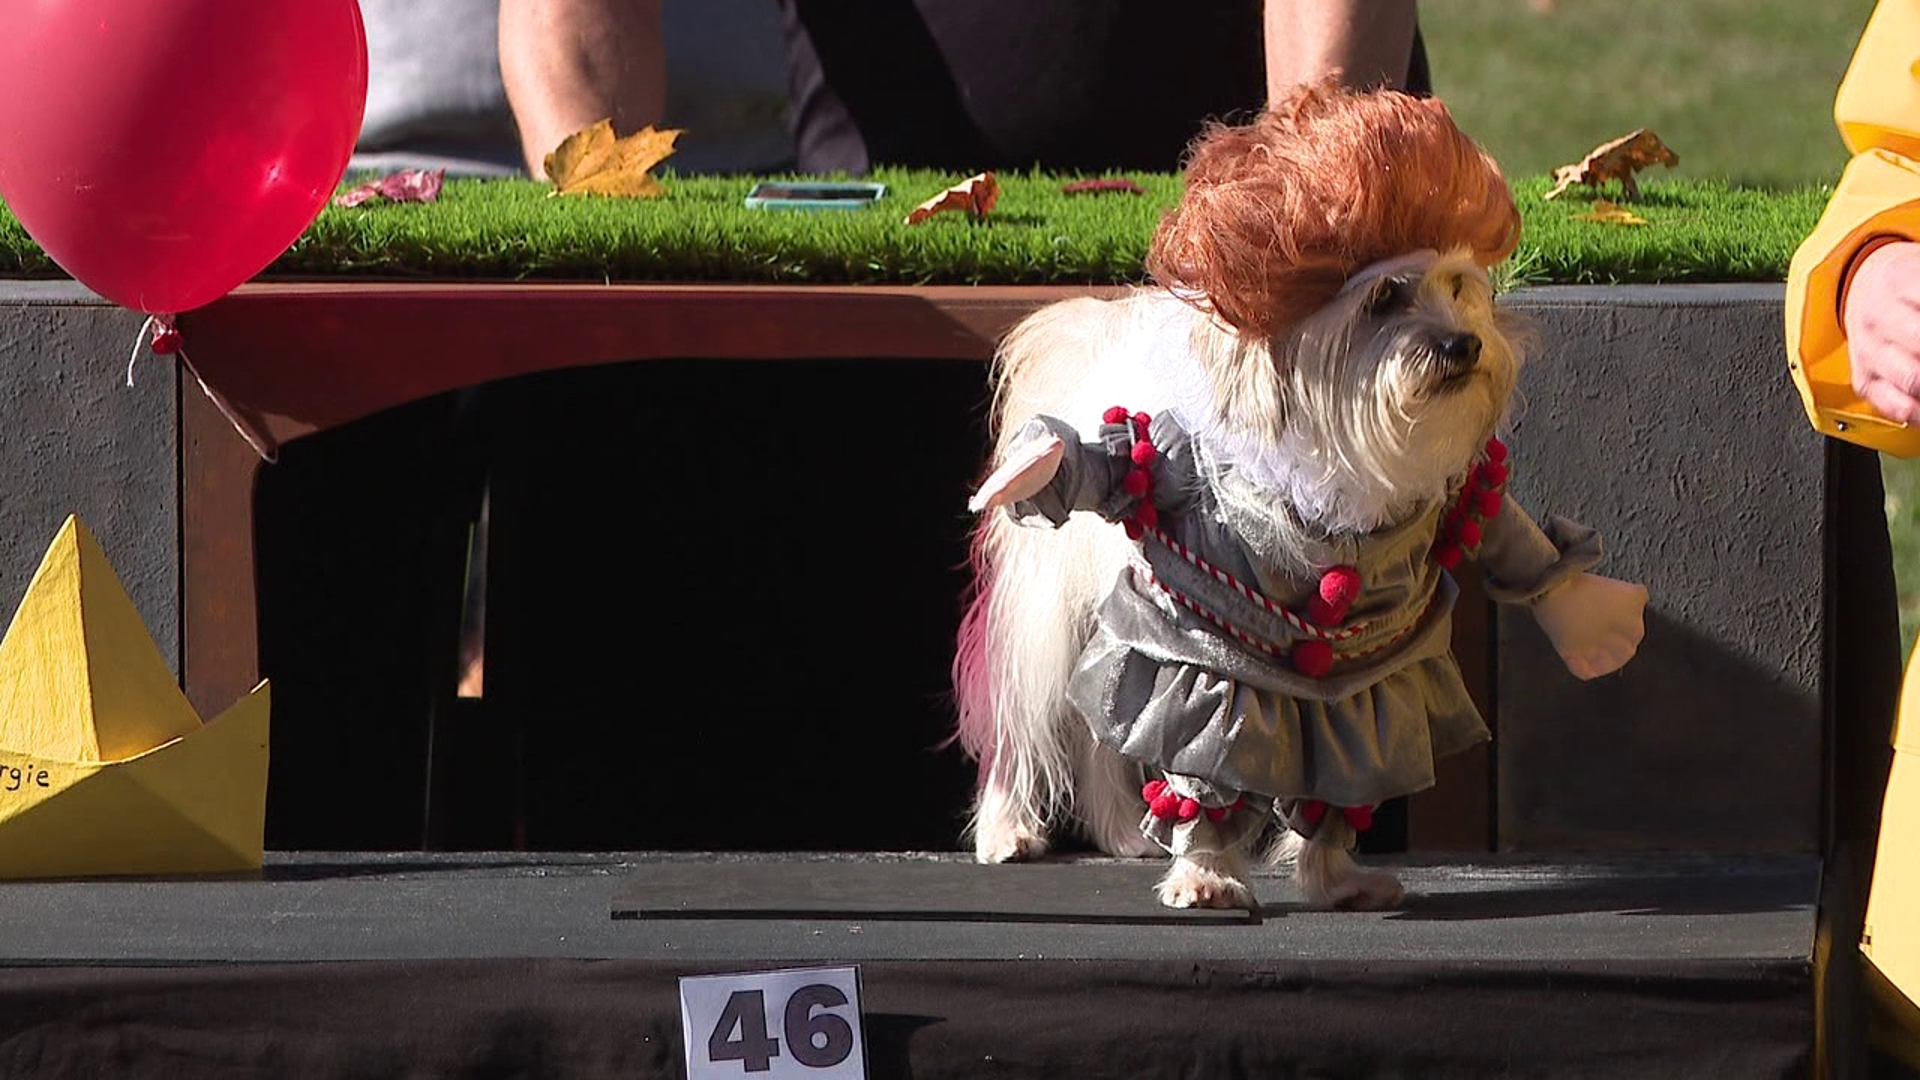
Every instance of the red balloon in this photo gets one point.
(164, 151)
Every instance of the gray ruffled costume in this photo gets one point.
(1235, 727)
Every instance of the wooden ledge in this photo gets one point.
(298, 358)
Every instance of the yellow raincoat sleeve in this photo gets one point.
(1878, 110)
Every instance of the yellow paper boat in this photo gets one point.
(105, 768)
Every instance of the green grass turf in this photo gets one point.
(1698, 230)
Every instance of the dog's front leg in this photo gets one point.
(1329, 878)
(1207, 880)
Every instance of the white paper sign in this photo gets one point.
(799, 1024)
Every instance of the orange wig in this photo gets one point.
(1278, 213)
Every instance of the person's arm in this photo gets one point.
(1370, 42)
(570, 63)
(1853, 338)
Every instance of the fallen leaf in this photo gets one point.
(1616, 160)
(1088, 187)
(1607, 212)
(593, 162)
(975, 195)
(407, 185)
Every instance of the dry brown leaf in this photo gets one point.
(1616, 160)
(594, 162)
(1608, 212)
(975, 195)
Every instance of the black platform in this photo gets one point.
(385, 965)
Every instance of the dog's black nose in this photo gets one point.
(1463, 348)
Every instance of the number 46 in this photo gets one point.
(818, 1040)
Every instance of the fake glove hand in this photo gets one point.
(1021, 476)
(1594, 622)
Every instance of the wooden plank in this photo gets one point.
(917, 890)
(1456, 814)
(219, 659)
(295, 359)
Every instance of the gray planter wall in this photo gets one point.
(75, 439)
(1665, 418)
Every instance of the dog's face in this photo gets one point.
(1380, 399)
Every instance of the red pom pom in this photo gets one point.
(1313, 658)
(1493, 474)
(1360, 817)
(1165, 806)
(1134, 531)
(1187, 810)
(1312, 811)
(1151, 789)
(1448, 555)
(1496, 450)
(1340, 585)
(1147, 514)
(1114, 415)
(1469, 534)
(1144, 452)
(1143, 420)
(1489, 504)
(1136, 483)
(1321, 613)
(166, 340)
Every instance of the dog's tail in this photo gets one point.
(1024, 628)
(1035, 588)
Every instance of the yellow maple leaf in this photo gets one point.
(593, 162)
(1607, 212)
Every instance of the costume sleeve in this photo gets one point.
(1093, 475)
(1878, 198)
(1523, 561)
(1090, 474)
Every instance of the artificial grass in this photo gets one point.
(1698, 230)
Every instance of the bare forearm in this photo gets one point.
(1368, 41)
(569, 63)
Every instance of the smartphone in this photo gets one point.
(812, 195)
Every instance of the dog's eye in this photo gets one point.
(1391, 294)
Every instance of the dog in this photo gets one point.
(1258, 472)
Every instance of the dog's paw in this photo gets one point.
(1008, 843)
(1189, 884)
(1363, 890)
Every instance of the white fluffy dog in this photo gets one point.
(1240, 616)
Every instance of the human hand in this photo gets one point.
(1594, 622)
(1021, 476)
(1882, 322)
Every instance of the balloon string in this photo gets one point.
(151, 326)
(159, 334)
